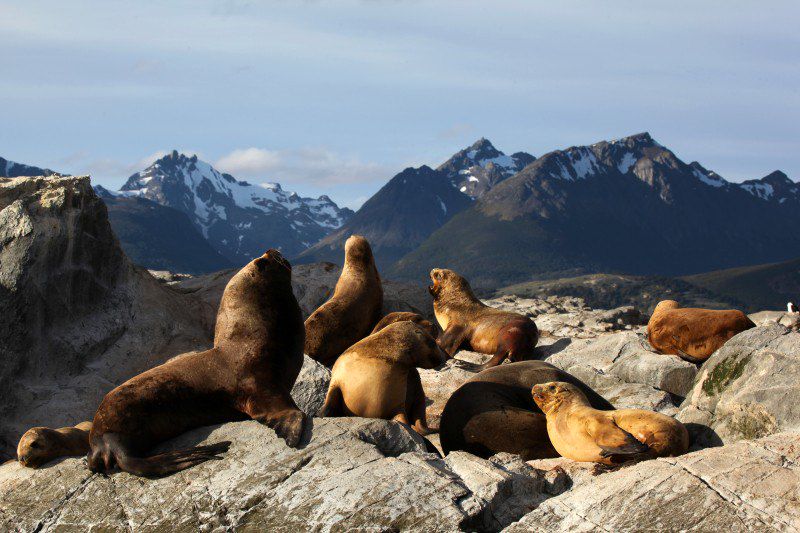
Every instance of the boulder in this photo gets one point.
(353, 474)
(747, 486)
(747, 389)
(439, 385)
(628, 357)
(311, 386)
(77, 317)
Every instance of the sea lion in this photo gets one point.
(468, 322)
(494, 411)
(353, 309)
(377, 376)
(41, 445)
(257, 354)
(582, 433)
(693, 334)
(400, 316)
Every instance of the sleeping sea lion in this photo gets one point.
(582, 433)
(400, 316)
(693, 334)
(377, 376)
(468, 322)
(494, 412)
(41, 445)
(353, 309)
(257, 354)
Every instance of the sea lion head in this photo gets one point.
(448, 285)
(357, 251)
(407, 316)
(666, 305)
(552, 395)
(37, 446)
(433, 356)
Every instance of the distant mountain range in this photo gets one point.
(10, 169)
(628, 206)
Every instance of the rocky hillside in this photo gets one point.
(238, 219)
(158, 237)
(628, 206)
(396, 219)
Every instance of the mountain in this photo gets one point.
(625, 206)
(480, 167)
(758, 287)
(159, 237)
(10, 169)
(775, 187)
(238, 219)
(397, 218)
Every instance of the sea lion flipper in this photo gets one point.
(333, 402)
(452, 338)
(613, 440)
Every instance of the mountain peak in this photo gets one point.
(481, 144)
(777, 176)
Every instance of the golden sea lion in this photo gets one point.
(494, 412)
(693, 334)
(257, 355)
(353, 309)
(377, 376)
(41, 445)
(400, 316)
(468, 322)
(582, 433)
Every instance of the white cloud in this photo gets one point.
(313, 166)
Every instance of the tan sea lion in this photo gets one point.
(353, 309)
(582, 433)
(41, 445)
(494, 412)
(257, 354)
(400, 316)
(693, 334)
(377, 376)
(468, 322)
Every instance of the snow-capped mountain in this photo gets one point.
(628, 206)
(10, 169)
(240, 220)
(478, 168)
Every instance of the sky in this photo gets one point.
(337, 97)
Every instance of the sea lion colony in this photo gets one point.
(526, 407)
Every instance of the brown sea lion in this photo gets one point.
(467, 322)
(582, 433)
(377, 376)
(353, 309)
(400, 316)
(494, 411)
(257, 354)
(693, 334)
(41, 445)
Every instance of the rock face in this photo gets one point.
(748, 486)
(78, 317)
(747, 389)
(353, 474)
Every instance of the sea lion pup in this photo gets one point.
(494, 412)
(467, 321)
(41, 445)
(400, 316)
(693, 334)
(377, 376)
(353, 309)
(257, 354)
(582, 433)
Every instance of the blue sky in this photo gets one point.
(336, 97)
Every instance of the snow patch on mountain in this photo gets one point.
(760, 190)
(628, 160)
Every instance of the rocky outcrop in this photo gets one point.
(747, 389)
(748, 486)
(77, 317)
(353, 474)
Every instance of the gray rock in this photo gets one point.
(354, 474)
(439, 385)
(311, 386)
(77, 317)
(747, 389)
(748, 486)
(627, 356)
